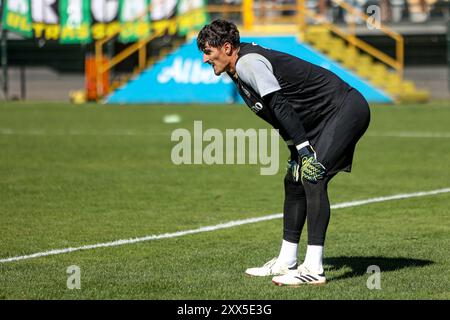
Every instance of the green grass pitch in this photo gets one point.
(80, 175)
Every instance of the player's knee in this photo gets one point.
(315, 188)
(293, 190)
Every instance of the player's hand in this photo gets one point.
(293, 167)
(311, 169)
(293, 170)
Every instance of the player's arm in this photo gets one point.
(256, 71)
(311, 169)
(286, 116)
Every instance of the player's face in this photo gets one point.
(217, 58)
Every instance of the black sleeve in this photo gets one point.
(294, 152)
(292, 149)
(287, 117)
(282, 132)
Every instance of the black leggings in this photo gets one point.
(296, 208)
(334, 146)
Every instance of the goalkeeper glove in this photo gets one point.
(293, 167)
(311, 169)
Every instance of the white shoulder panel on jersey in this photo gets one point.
(257, 72)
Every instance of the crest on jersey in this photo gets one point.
(255, 44)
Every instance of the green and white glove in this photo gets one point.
(311, 169)
(293, 167)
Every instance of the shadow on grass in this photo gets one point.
(359, 265)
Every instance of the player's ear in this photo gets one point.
(228, 48)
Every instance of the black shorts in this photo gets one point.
(336, 141)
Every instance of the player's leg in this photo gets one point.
(347, 127)
(335, 148)
(318, 216)
(337, 142)
(294, 216)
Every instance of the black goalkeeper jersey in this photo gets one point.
(314, 93)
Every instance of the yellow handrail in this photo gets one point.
(248, 18)
(158, 28)
(99, 62)
(399, 41)
(301, 7)
(247, 9)
(101, 69)
(140, 45)
(357, 42)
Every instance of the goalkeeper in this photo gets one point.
(320, 117)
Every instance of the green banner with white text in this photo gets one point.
(191, 15)
(17, 17)
(75, 21)
(134, 20)
(83, 21)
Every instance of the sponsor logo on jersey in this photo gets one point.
(246, 92)
(257, 107)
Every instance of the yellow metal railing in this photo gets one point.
(252, 21)
(398, 62)
(158, 29)
(100, 65)
(301, 19)
(139, 46)
(103, 67)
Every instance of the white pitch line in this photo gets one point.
(410, 134)
(6, 131)
(226, 225)
(37, 132)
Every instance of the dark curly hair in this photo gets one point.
(217, 33)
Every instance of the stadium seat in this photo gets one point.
(350, 57)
